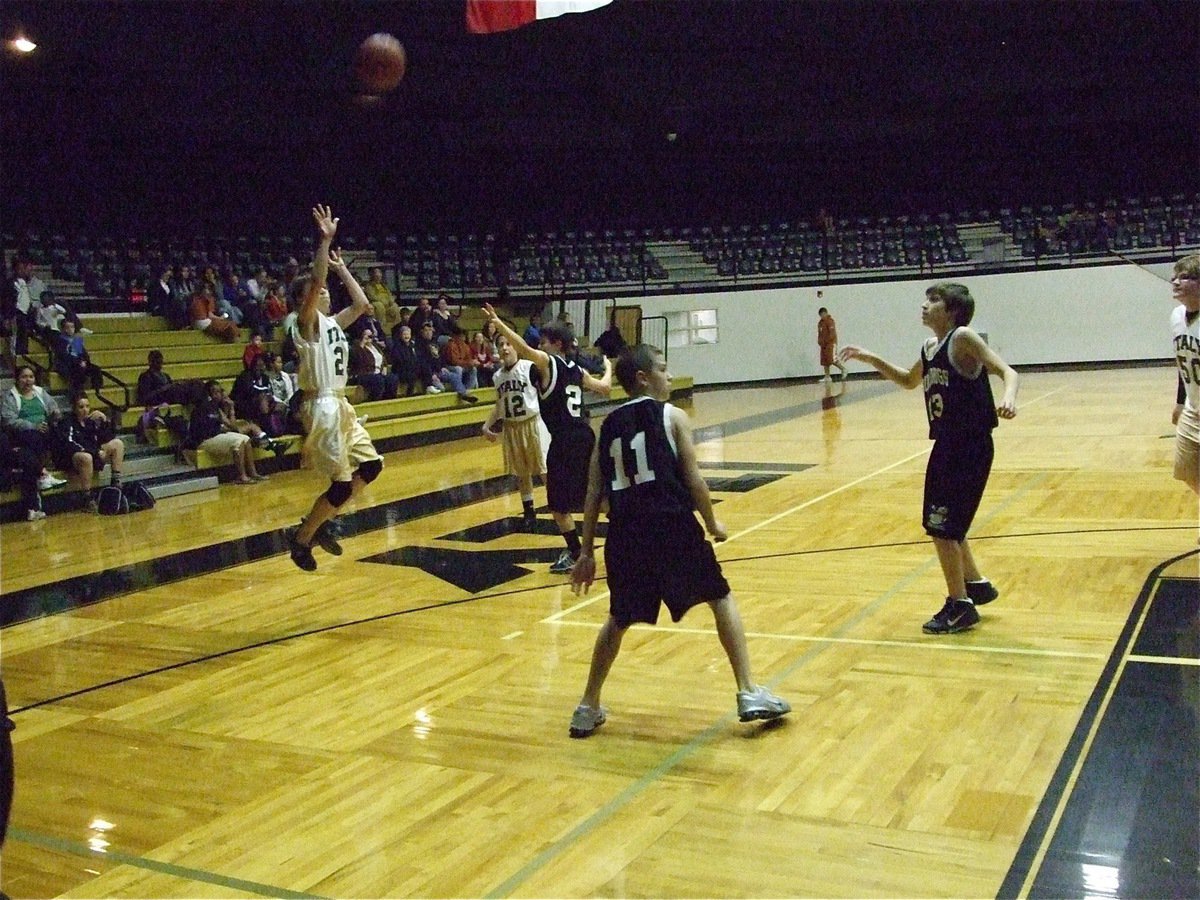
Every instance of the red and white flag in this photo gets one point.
(489, 16)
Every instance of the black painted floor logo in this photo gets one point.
(476, 570)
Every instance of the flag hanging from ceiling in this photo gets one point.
(489, 16)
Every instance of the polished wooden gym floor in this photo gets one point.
(198, 718)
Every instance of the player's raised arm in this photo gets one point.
(584, 571)
(685, 450)
(327, 225)
(601, 385)
(906, 379)
(539, 358)
(359, 303)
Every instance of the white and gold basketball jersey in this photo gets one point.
(324, 362)
(518, 396)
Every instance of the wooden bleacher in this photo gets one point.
(119, 344)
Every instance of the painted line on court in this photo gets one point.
(153, 865)
(559, 616)
(700, 741)
(933, 643)
(1073, 778)
(1165, 660)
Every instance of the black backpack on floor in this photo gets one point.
(116, 501)
(111, 501)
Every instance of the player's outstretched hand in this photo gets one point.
(718, 532)
(336, 262)
(583, 574)
(326, 223)
(850, 351)
(489, 312)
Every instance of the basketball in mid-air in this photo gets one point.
(380, 64)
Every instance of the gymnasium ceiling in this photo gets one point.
(235, 92)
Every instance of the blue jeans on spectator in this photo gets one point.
(468, 376)
(452, 377)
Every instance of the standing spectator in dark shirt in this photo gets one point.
(611, 342)
(533, 333)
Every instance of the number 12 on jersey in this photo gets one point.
(620, 474)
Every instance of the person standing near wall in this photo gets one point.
(827, 342)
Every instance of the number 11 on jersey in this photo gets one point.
(643, 474)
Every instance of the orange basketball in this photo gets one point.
(380, 64)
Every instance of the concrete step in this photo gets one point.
(183, 486)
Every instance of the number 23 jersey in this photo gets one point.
(639, 464)
(1186, 336)
(323, 362)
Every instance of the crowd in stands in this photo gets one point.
(387, 360)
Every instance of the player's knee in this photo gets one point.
(370, 470)
(338, 493)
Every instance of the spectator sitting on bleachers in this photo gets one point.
(443, 320)
(285, 392)
(275, 309)
(433, 373)
(368, 322)
(50, 315)
(203, 311)
(235, 292)
(156, 387)
(458, 356)
(225, 295)
(405, 365)
(183, 288)
(159, 301)
(254, 349)
(492, 335)
(254, 401)
(366, 368)
(21, 467)
(485, 358)
(72, 362)
(157, 391)
(419, 316)
(383, 301)
(27, 414)
(259, 286)
(216, 431)
(83, 443)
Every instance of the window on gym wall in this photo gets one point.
(692, 326)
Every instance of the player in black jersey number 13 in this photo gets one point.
(953, 368)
